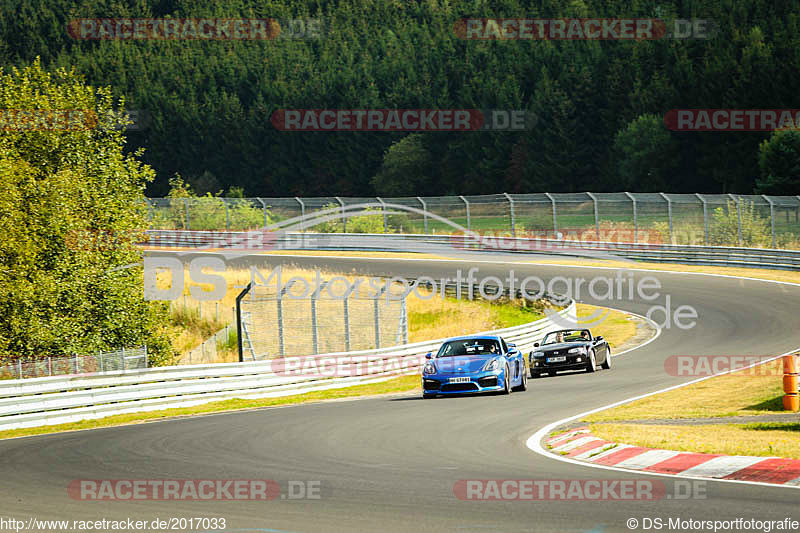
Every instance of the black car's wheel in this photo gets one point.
(591, 365)
(507, 383)
(524, 385)
(551, 373)
(607, 363)
(535, 374)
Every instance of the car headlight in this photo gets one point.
(575, 350)
(429, 368)
(492, 365)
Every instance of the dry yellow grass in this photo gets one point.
(617, 327)
(737, 394)
(728, 439)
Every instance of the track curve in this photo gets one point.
(390, 463)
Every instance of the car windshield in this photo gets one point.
(567, 335)
(469, 347)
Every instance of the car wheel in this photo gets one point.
(524, 385)
(551, 373)
(591, 365)
(534, 374)
(607, 363)
(507, 382)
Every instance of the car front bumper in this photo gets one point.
(474, 383)
(572, 362)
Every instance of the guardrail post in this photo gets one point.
(669, 215)
(596, 215)
(771, 217)
(264, 207)
(635, 219)
(511, 213)
(302, 207)
(555, 216)
(383, 208)
(466, 203)
(705, 216)
(186, 208)
(424, 213)
(341, 210)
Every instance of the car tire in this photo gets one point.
(591, 365)
(607, 363)
(551, 373)
(524, 385)
(535, 375)
(506, 383)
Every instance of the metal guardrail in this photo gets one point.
(57, 400)
(458, 244)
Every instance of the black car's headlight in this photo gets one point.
(429, 368)
(492, 365)
(577, 350)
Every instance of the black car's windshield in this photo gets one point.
(469, 347)
(567, 335)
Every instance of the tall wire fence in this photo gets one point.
(704, 219)
(283, 322)
(122, 359)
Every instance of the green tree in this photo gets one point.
(405, 167)
(72, 207)
(779, 163)
(647, 155)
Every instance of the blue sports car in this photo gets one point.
(482, 363)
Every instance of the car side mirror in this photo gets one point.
(535, 344)
(428, 355)
(512, 347)
(598, 338)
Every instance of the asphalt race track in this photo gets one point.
(390, 463)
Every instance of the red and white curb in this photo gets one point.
(580, 445)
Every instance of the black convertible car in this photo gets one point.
(569, 349)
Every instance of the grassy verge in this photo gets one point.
(740, 393)
(760, 439)
(617, 327)
(393, 386)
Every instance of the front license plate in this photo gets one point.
(556, 359)
(458, 380)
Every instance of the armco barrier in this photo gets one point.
(57, 400)
(444, 244)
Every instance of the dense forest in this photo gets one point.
(599, 104)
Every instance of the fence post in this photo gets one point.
(404, 320)
(227, 215)
(511, 213)
(635, 220)
(383, 208)
(705, 216)
(122, 359)
(669, 215)
(596, 215)
(74, 361)
(186, 206)
(149, 211)
(302, 208)
(19, 368)
(738, 217)
(466, 204)
(771, 217)
(555, 216)
(377, 316)
(346, 303)
(314, 330)
(49, 366)
(216, 311)
(146, 362)
(264, 207)
(344, 219)
(239, 320)
(424, 213)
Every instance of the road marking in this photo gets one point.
(721, 466)
(646, 459)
